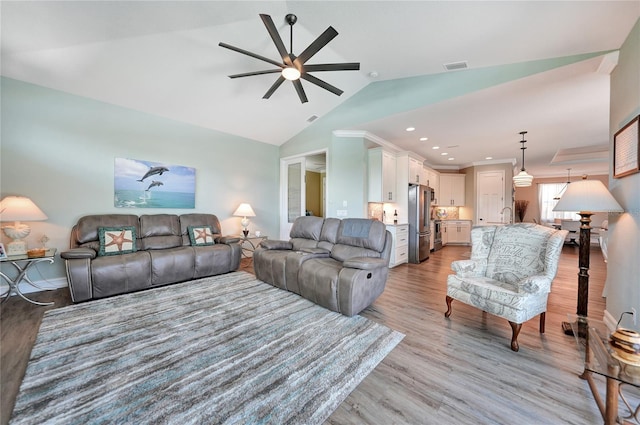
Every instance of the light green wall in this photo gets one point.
(623, 268)
(347, 181)
(59, 149)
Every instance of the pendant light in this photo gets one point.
(522, 179)
(559, 195)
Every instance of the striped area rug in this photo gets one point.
(226, 349)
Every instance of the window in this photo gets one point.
(546, 193)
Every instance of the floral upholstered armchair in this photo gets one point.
(509, 273)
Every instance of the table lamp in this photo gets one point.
(18, 209)
(244, 211)
(586, 197)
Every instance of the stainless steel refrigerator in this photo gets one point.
(420, 198)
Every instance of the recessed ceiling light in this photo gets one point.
(424, 139)
(444, 154)
(489, 157)
(411, 128)
(436, 147)
(451, 159)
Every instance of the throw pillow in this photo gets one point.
(201, 235)
(117, 240)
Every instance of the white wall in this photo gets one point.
(623, 270)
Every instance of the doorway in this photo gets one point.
(302, 188)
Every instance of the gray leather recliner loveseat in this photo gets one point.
(112, 254)
(341, 265)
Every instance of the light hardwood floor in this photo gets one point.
(445, 371)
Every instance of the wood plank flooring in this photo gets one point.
(458, 370)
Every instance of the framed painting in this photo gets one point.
(626, 154)
(146, 184)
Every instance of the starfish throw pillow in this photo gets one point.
(200, 235)
(117, 240)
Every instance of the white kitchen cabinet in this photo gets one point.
(410, 168)
(433, 181)
(382, 176)
(458, 232)
(400, 244)
(451, 193)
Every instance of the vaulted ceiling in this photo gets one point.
(163, 58)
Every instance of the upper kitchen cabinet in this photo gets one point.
(410, 167)
(451, 193)
(433, 181)
(382, 176)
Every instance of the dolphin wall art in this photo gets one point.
(154, 170)
(153, 184)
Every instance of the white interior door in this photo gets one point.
(292, 174)
(490, 192)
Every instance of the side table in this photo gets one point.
(599, 359)
(252, 241)
(22, 264)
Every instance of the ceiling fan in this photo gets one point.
(294, 67)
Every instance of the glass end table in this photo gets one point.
(600, 359)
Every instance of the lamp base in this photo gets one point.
(245, 232)
(17, 247)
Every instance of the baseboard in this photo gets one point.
(49, 284)
(610, 321)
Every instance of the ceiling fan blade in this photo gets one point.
(253, 55)
(318, 82)
(249, 74)
(328, 35)
(301, 94)
(348, 66)
(273, 88)
(277, 40)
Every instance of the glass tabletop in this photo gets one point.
(592, 336)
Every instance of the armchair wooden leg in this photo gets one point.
(542, 319)
(515, 328)
(448, 313)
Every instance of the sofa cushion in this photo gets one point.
(363, 233)
(200, 235)
(306, 227)
(87, 227)
(195, 219)
(117, 240)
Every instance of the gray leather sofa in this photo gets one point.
(164, 253)
(341, 265)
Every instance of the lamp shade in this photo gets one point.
(244, 210)
(20, 208)
(522, 179)
(587, 195)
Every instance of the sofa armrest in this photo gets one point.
(364, 263)
(538, 284)
(469, 268)
(78, 253)
(275, 244)
(228, 240)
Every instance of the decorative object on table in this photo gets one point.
(146, 184)
(521, 208)
(18, 209)
(441, 213)
(626, 149)
(626, 346)
(258, 233)
(293, 67)
(36, 253)
(244, 211)
(522, 179)
(395, 217)
(167, 357)
(587, 197)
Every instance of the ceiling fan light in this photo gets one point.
(290, 73)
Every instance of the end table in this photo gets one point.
(22, 264)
